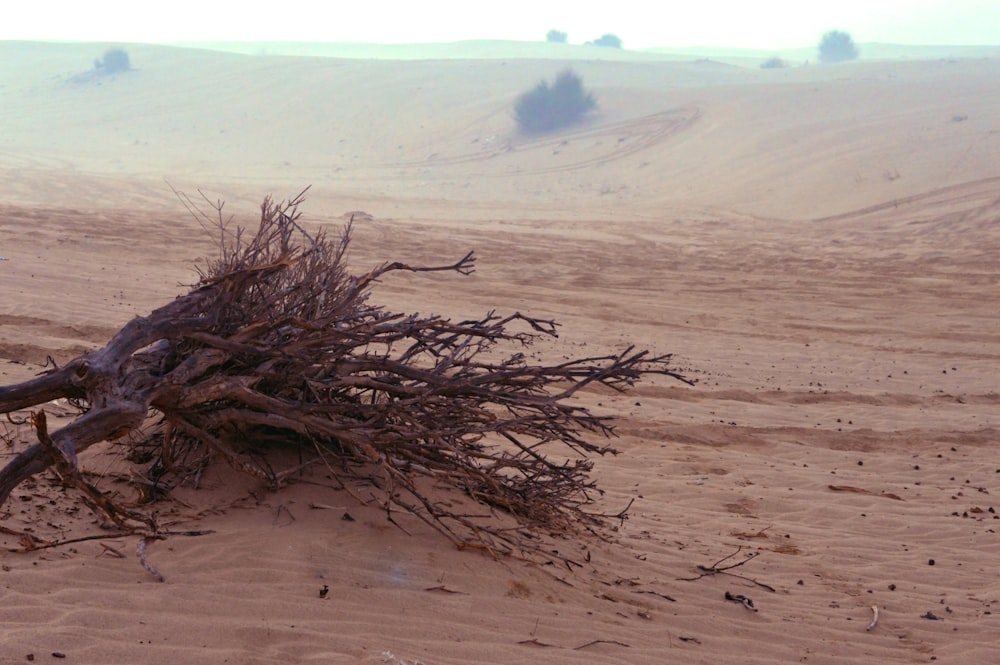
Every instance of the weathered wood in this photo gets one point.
(278, 339)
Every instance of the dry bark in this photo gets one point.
(279, 342)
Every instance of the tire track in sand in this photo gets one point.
(628, 137)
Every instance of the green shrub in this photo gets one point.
(837, 46)
(556, 36)
(115, 60)
(609, 40)
(546, 107)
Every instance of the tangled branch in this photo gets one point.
(278, 342)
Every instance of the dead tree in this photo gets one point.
(279, 342)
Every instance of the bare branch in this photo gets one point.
(279, 342)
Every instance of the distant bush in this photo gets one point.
(549, 107)
(609, 40)
(773, 63)
(837, 46)
(115, 60)
(556, 36)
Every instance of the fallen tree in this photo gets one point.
(279, 343)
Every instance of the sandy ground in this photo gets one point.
(817, 246)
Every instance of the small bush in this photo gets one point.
(556, 36)
(115, 60)
(608, 40)
(773, 63)
(549, 107)
(837, 46)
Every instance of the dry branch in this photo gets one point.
(278, 342)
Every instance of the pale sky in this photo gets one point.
(765, 24)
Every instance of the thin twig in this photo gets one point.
(717, 569)
(593, 642)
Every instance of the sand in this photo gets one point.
(816, 245)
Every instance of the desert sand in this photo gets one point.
(816, 245)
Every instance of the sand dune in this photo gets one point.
(799, 143)
(816, 245)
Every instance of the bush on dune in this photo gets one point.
(546, 108)
(556, 36)
(608, 40)
(114, 61)
(773, 63)
(837, 46)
